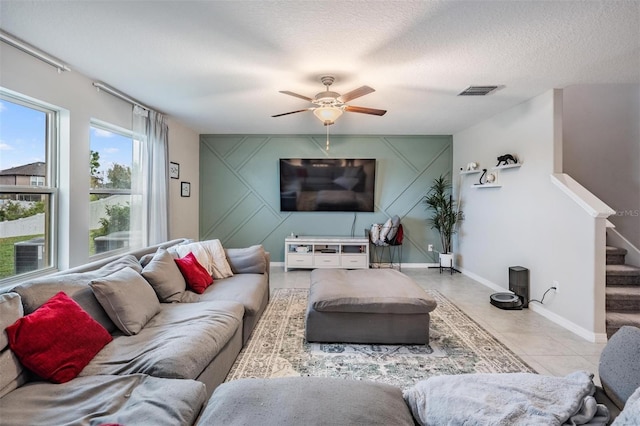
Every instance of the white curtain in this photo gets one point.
(150, 180)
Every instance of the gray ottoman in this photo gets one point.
(306, 401)
(367, 306)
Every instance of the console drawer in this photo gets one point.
(354, 261)
(327, 260)
(294, 260)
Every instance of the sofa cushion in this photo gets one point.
(165, 277)
(57, 340)
(619, 367)
(250, 260)
(306, 401)
(196, 276)
(247, 289)
(383, 291)
(13, 373)
(99, 400)
(179, 342)
(76, 285)
(127, 298)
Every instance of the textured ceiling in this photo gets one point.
(217, 66)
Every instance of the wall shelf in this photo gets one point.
(508, 166)
(487, 185)
(470, 172)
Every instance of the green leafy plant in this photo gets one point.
(13, 210)
(118, 219)
(444, 211)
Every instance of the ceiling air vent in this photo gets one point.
(477, 90)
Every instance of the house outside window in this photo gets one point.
(113, 205)
(28, 185)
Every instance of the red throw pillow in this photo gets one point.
(196, 276)
(58, 339)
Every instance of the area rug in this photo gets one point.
(458, 345)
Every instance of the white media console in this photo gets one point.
(326, 252)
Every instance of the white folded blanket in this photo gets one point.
(506, 399)
(630, 416)
(210, 255)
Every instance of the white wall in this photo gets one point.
(79, 102)
(528, 221)
(184, 149)
(601, 146)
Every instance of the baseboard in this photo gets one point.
(419, 265)
(562, 322)
(483, 281)
(402, 265)
(572, 327)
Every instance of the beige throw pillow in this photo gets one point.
(127, 298)
(165, 277)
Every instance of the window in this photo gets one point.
(28, 185)
(36, 181)
(112, 203)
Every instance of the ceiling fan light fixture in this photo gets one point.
(328, 115)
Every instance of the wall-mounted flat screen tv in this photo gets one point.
(327, 184)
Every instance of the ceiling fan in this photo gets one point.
(330, 105)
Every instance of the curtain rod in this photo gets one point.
(119, 94)
(33, 51)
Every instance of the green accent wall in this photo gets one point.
(240, 188)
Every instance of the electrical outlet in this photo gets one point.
(556, 284)
(430, 248)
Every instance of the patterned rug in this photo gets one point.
(458, 345)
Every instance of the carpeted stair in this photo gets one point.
(623, 291)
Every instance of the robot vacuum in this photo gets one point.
(508, 301)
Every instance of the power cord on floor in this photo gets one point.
(545, 293)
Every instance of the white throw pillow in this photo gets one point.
(385, 231)
(199, 252)
(374, 235)
(210, 255)
(220, 265)
(395, 223)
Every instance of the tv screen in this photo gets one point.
(327, 184)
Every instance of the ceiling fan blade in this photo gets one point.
(292, 112)
(306, 98)
(364, 110)
(360, 91)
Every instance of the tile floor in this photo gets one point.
(544, 345)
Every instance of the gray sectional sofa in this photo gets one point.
(164, 373)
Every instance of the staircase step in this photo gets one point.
(615, 320)
(615, 255)
(623, 275)
(626, 298)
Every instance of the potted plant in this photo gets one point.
(445, 215)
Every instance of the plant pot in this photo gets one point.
(446, 260)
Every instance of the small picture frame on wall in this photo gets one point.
(174, 170)
(185, 189)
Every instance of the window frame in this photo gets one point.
(50, 188)
(103, 125)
